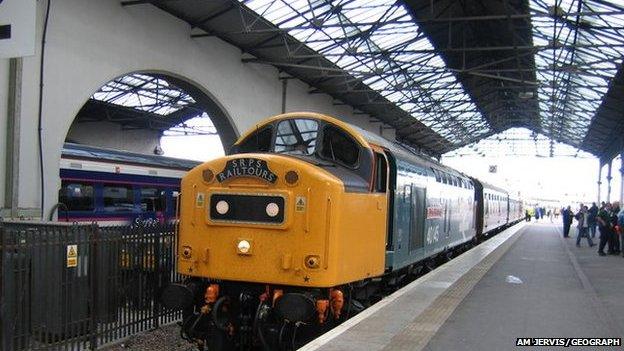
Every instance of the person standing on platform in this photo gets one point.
(614, 245)
(604, 226)
(550, 214)
(566, 214)
(583, 226)
(593, 212)
(621, 229)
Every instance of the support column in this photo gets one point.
(599, 180)
(622, 179)
(284, 91)
(609, 177)
(12, 137)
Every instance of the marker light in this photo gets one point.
(207, 175)
(272, 209)
(223, 207)
(243, 246)
(291, 177)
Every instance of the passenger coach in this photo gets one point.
(117, 187)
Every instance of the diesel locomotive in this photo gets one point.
(307, 221)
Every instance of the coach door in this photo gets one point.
(417, 237)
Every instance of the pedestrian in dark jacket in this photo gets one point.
(604, 226)
(566, 214)
(621, 229)
(583, 226)
(614, 244)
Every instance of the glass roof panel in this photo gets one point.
(580, 45)
(145, 93)
(386, 50)
(518, 142)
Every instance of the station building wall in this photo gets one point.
(90, 42)
(113, 136)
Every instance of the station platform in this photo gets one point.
(526, 282)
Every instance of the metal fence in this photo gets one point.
(76, 287)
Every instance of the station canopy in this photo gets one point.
(444, 74)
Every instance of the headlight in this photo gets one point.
(222, 207)
(243, 246)
(272, 209)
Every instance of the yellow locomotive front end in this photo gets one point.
(278, 219)
(273, 236)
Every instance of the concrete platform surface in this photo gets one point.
(565, 292)
(527, 282)
(376, 327)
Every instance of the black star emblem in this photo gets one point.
(306, 279)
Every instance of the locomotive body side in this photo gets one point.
(433, 211)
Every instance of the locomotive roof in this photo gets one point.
(404, 152)
(71, 150)
(364, 137)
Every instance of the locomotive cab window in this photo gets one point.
(259, 141)
(381, 173)
(339, 147)
(296, 136)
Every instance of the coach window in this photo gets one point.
(339, 147)
(259, 141)
(118, 198)
(436, 174)
(77, 196)
(381, 173)
(296, 136)
(152, 199)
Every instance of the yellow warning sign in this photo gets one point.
(199, 202)
(72, 256)
(300, 204)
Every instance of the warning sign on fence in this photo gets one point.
(72, 256)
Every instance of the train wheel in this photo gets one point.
(219, 340)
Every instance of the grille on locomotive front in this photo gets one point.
(239, 208)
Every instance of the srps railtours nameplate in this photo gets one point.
(247, 167)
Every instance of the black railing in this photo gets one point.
(76, 287)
